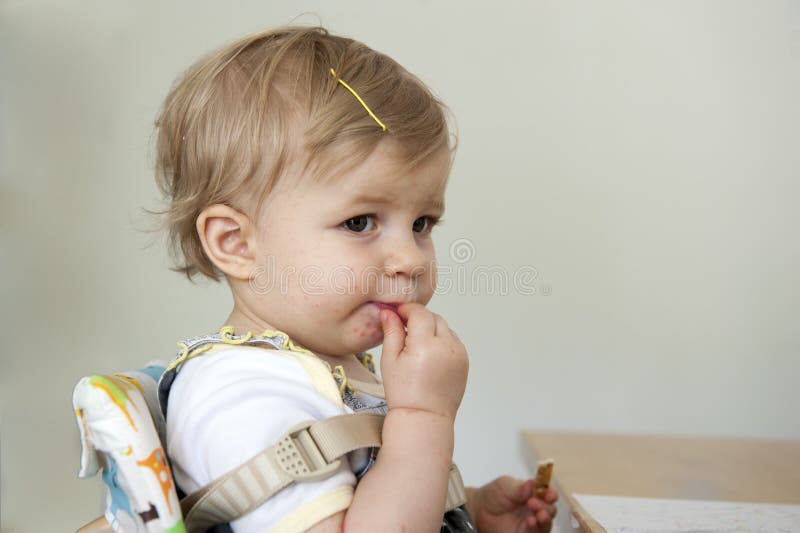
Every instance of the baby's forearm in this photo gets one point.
(406, 489)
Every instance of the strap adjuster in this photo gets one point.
(299, 456)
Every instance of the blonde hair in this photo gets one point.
(234, 121)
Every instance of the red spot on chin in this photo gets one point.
(370, 329)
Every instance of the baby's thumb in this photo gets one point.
(394, 334)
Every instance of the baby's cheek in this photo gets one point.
(318, 312)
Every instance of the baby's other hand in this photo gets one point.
(508, 504)
(424, 368)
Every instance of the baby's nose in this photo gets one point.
(406, 258)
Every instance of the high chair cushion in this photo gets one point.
(122, 432)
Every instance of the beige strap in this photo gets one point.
(308, 452)
(456, 494)
(339, 435)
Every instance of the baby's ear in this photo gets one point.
(228, 240)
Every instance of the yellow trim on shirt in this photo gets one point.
(305, 516)
(320, 375)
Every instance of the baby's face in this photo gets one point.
(331, 254)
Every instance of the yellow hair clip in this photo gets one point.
(333, 73)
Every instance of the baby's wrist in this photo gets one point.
(419, 412)
(420, 429)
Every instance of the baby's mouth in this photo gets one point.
(389, 306)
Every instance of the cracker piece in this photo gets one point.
(544, 472)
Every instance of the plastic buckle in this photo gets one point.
(299, 456)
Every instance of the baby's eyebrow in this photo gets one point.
(367, 198)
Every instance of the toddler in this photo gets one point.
(308, 171)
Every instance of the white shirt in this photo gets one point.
(231, 403)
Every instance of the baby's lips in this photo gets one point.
(394, 308)
(389, 306)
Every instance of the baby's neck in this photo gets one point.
(243, 322)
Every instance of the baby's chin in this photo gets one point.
(360, 332)
(345, 346)
(366, 334)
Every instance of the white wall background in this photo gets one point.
(642, 156)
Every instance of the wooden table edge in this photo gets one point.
(581, 515)
(576, 510)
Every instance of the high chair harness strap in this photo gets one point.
(308, 452)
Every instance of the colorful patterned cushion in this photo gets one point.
(122, 432)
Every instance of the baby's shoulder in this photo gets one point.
(226, 366)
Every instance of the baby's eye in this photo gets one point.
(360, 224)
(424, 224)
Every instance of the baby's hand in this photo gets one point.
(508, 504)
(425, 368)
